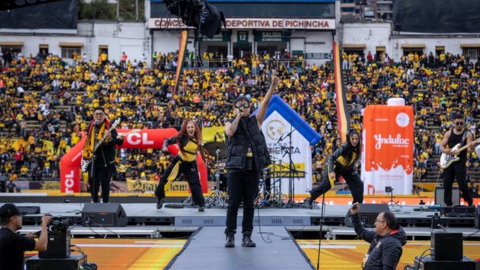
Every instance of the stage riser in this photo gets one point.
(265, 221)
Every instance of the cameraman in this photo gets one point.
(13, 245)
(386, 240)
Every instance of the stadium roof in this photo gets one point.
(14, 4)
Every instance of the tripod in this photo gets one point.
(217, 197)
(391, 202)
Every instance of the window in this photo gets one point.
(67, 52)
(472, 53)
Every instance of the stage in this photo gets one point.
(287, 238)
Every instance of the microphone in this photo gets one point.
(96, 123)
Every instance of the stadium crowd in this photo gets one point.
(47, 103)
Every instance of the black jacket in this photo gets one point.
(247, 134)
(105, 154)
(384, 251)
(338, 158)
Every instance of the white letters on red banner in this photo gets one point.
(147, 138)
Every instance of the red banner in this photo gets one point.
(144, 139)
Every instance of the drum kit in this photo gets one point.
(269, 192)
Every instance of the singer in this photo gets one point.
(341, 163)
(247, 157)
(103, 159)
(189, 140)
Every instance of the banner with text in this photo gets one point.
(253, 23)
(144, 139)
(387, 156)
(299, 172)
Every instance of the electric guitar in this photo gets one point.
(446, 160)
(86, 162)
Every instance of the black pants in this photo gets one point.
(190, 171)
(353, 182)
(241, 185)
(102, 175)
(458, 170)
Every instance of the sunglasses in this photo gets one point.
(459, 123)
(244, 105)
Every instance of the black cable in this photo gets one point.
(88, 225)
(468, 236)
(260, 229)
(105, 228)
(420, 258)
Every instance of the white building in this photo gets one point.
(244, 35)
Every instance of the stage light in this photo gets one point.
(31, 1)
(20, 2)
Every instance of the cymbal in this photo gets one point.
(212, 147)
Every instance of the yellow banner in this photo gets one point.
(283, 170)
(209, 133)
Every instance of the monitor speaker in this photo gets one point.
(104, 214)
(428, 263)
(29, 210)
(439, 198)
(368, 213)
(447, 246)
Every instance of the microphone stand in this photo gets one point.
(217, 197)
(291, 168)
(322, 220)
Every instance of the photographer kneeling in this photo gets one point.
(13, 245)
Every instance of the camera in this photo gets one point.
(59, 225)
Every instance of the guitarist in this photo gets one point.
(457, 170)
(103, 159)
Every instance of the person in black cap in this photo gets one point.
(103, 157)
(12, 244)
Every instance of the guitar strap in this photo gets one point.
(464, 138)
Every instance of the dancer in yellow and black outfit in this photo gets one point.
(341, 163)
(189, 140)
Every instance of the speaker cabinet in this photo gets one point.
(428, 263)
(29, 210)
(368, 213)
(104, 214)
(447, 246)
(74, 262)
(439, 198)
(58, 246)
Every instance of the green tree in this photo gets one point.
(96, 10)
